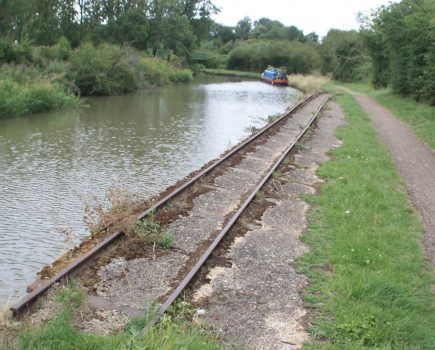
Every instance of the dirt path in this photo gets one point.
(415, 161)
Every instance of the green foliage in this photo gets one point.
(258, 54)
(70, 295)
(11, 52)
(222, 34)
(165, 240)
(370, 282)
(344, 56)
(174, 331)
(21, 99)
(60, 51)
(148, 226)
(159, 72)
(400, 40)
(243, 29)
(172, 25)
(271, 118)
(258, 196)
(103, 70)
(268, 29)
(131, 28)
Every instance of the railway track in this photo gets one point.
(127, 275)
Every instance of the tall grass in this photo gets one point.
(20, 99)
(308, 83)
(370, 283)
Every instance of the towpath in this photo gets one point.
(414, 160)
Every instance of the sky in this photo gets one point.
(309, 15)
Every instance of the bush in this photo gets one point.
(103, 70)
(158, 72)
(59, 52)
(11, 52)
(216, 61)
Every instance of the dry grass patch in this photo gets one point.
(308, 83)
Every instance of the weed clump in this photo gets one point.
(147, 226)
(20, 99)
(165, 240)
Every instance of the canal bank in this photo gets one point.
(51, 164)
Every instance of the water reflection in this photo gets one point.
(50, 162)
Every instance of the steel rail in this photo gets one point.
(31, 297)
(184, 283)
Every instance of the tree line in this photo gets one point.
(394, 46)
(175, 25)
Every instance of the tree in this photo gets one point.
(222, 34)
(170, 28)
(344, 55)
(130, 27)
(266, 28)
(243, 29)
(400, 41)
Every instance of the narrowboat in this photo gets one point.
(274, 76)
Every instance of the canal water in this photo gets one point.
(51, 164)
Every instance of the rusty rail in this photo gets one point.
(184, 283)
(95, 251)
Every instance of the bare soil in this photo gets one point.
(414, 160)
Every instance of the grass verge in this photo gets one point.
(420, 116)
(231, 73)
(370, 284)
(174, 331)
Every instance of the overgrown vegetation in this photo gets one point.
(399, 38)
(175, 330)
(370, 283)
(120, 211)
(308, 83)
(344, 56)
(94, 48)
(45, 80)
(20, 99)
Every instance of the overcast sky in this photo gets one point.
(309, 15)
